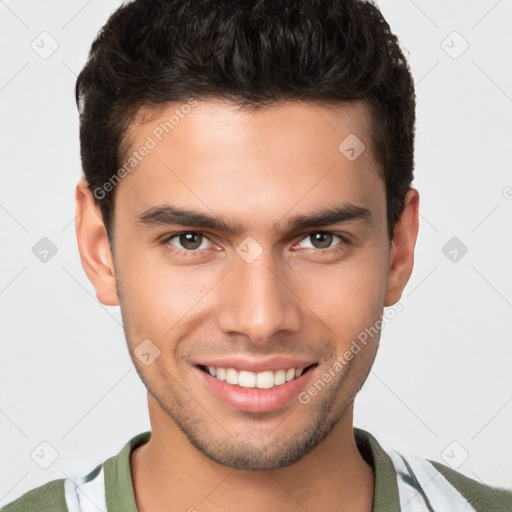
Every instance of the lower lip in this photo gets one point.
(254, 399)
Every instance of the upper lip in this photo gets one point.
(256, 365)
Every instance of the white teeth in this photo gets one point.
(231, 376)
(246, 379)
(280, 377)
(265, 380)
(262, 380)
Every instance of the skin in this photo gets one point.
(298, 298)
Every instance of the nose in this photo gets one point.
(258, 300)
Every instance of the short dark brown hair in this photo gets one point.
(251, 52)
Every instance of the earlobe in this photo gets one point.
(401, 256)
(93, 246)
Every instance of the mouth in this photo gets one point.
(255, 392)
(261, 380)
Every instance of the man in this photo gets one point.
(247, 202)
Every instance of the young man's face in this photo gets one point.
(266, 291)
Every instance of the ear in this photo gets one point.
(401, 258)
(93, 246)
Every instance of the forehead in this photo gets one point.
(269, 161)
(212, 123)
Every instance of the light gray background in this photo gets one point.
(441, 384)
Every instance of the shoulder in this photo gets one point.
(481, 496)
(81, 491)
(49, 497)
(442, 487)
(408, 482)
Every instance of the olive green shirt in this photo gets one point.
(402, 484)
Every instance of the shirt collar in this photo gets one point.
(120, 496)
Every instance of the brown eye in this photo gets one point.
(187, 240)
(324, 242)
(190, 241)
(321, 240)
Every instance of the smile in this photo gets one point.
(261, 380)
(255, 392)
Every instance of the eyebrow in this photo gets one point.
(165, 215)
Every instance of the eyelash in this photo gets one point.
(194, 253)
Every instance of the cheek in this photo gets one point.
(155, 296)
(348, 297)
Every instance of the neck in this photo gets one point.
(169, 473)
